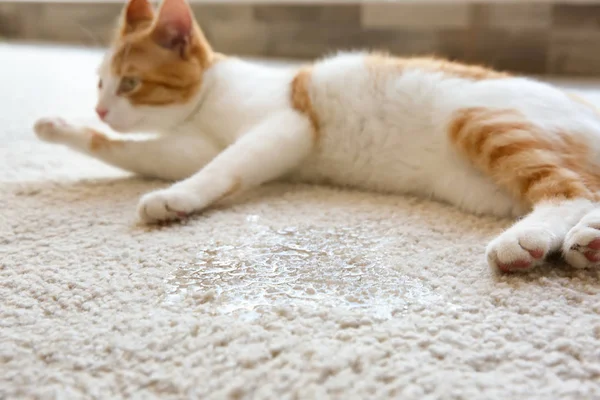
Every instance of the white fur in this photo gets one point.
(382, 131)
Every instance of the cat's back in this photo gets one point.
(384, 124)
(361, 83)
(377, 127)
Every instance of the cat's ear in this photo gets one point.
(137, 13)
(174, 26)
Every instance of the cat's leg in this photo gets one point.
(552, 170)
(581, 248)
(168, 157)
(266, 152)
(527, 243)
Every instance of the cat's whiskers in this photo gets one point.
(96, 42)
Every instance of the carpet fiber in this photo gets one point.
(291, 292)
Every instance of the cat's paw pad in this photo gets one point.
(50, 129)
(581, 248)
(165, 205)
(519, 249)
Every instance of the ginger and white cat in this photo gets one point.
(481, 140)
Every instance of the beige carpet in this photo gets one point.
(294, 292)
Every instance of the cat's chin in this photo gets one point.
(123, 128)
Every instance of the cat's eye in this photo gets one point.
(128, 84)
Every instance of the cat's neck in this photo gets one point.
(235, 96)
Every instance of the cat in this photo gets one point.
(482, 140)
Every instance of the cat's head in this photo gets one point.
(150, 78)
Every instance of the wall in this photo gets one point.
(540, 38)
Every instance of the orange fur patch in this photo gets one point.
(99, 141)
(384, 62)
(166, 78)
(301, 98)
(531, 164)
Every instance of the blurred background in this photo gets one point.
(527, 36)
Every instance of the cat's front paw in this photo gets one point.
(51, 129)
(166, 205)
(519, 249)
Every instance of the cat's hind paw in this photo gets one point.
(581, 248)
(165, 205)
(519, 249)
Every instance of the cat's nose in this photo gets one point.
(101, 112)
